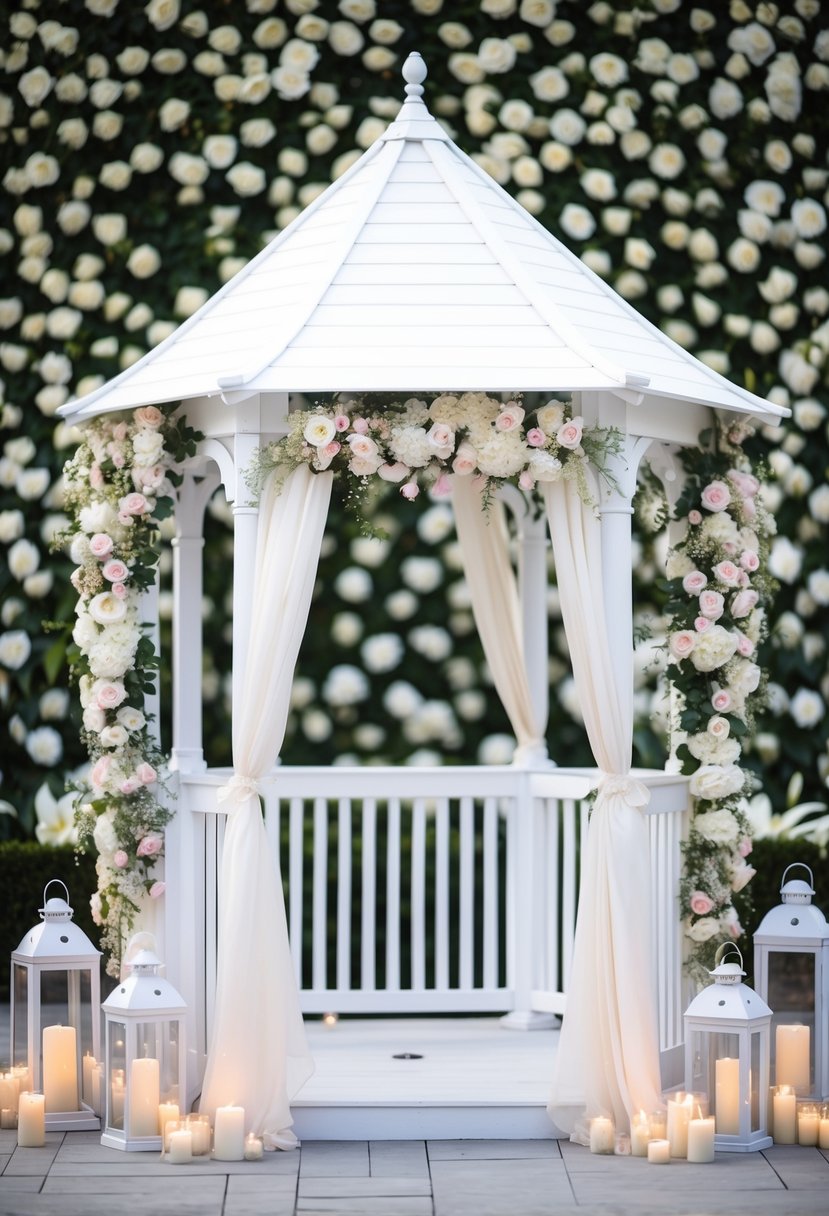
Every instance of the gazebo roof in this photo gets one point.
(415, 271)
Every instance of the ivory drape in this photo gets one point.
(608, 1055)
(493, 593)
(258, 1056)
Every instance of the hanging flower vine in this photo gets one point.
(119, 485)
(718, 595)
(417, 445)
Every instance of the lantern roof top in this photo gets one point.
(416, 272)
(729, 1003)
(804, 924)
(60, 940)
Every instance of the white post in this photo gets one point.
(245, 522)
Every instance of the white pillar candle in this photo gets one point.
(116, 1104)
(254, 1148)
(701, 1140)
(229, 1133)
(31, 1121)
(823, 1132)
(60, 1068)
(180, 1151)
(168, 1112)
(199, 1126)
(602, 1135)
(659, 1152)
(144, 1094)
(791, 1060)
(808, 1127)
(640, 1134)
(784, 1107)
(9, 1091)
(21, 1072)
(89, 1064)
(679, 1114)
(727, 1096)
(8, 1118)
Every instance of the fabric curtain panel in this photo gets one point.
(608, 1055)
(484, 542)
(258, 1056)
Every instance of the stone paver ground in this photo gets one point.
(74, 1176)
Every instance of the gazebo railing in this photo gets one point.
(420, 890)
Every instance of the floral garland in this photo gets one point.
(717, 597)
(119, 485)
(416, 445)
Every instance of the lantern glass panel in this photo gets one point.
(20, 996)
(116, 1080)
(791, 994)
(754, 1080)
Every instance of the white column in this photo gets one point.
(532, 590)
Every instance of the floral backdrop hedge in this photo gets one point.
(149, 151)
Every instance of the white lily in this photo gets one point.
(788, 824)
(55, 818)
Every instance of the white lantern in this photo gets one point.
(145, 1055)
(56, 1016)
(791, 962)
(727, 1056)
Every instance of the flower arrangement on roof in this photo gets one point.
(718, 594)
(418, 445)
(119, 485)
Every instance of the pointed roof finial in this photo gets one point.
(414, 73)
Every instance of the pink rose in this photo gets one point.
(727, 573)
(116, 571)
(145, 773)
(694, 517)
(702, 623)
(410, 490)
(466, 460)
(157, 889)
(150, 846)
(133, 504)
(701, 904)
(721, 700)
(129, 785)
(341, 422)
(148, 415)
(442, 487)
(749, 560)
(744, 601)
(745, 484)
(441, 437)
(749, 508)
(536, 437)
(711, 604)
(147, 477)
(362, 446)
(745, 646)
(694, 582)
(332, 448)
(119, 591)
(510, 417)
(118, 460)
(569, 435)
(716, 496)
(109, 694)
(745, 846)
(121, 859)
(682, 643)
(393, 472)
(526, 480)
(100, 769)
(100, 545)
(119, 432)
(360, 426)
(96, 477)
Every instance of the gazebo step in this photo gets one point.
(426, 1078)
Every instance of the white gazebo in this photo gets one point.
(416, 273)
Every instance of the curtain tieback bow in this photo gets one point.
(238, 788)
(632, 791)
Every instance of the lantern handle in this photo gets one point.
(50, 883)
(793, 866)
(723, 950)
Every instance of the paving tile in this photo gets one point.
(190, 1188)
(361, 1206)
(21, 1182)
(270, 1184)
(32, 1160)
(492, 1150)
(259, 1203)
(398, 1159)
(334, 1159)
(799, 1168)
(347, 1188)
(5, 1158)
(492, 1188)
(103, 1205)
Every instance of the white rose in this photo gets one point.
(173, 113)
(712, 781)
(146, 158)
(15, 648)
(713, 649)
(704, 929)
(144, 261)
(345, 38)
(35, 86)
(807, 708)
(162, 14)
(44, 746)
(23, 559)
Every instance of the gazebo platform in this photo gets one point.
(474, 1080)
